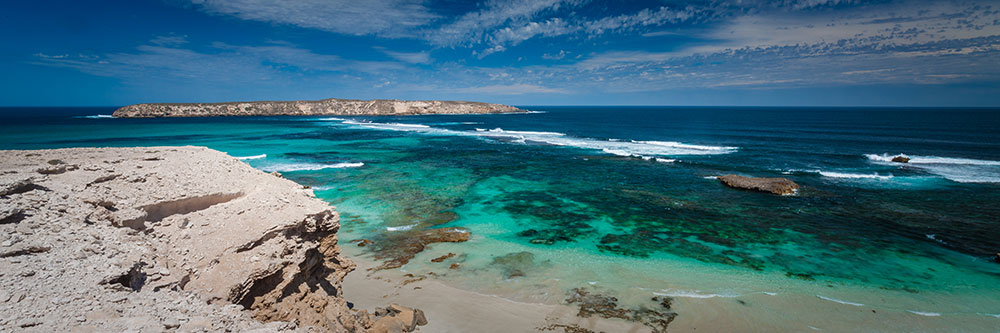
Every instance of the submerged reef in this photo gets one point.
(657, 317)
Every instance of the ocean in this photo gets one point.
(623, 201)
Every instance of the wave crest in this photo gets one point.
(832, 174)
(631, 148)
(962, 170)
(291, 167)
(254, 157)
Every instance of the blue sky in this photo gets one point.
(522, 52)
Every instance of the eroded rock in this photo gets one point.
(398, 250)
(187, 235)
(443, 258)
(779, 186)
(656, 317)
(901, 159)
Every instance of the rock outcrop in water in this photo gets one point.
(779, 186)
(326, 107)
(901, 159)
(165, 238)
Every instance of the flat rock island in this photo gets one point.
(169, 238)
(326, 107)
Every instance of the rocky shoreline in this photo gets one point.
(326, 107)
(169, 238)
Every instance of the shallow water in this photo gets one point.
(622, 201)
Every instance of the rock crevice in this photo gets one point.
(183, 238)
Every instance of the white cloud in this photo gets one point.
(511, 89)
(392, 18)
(557, 56)
(229, 63)
(474, 26)
(423, 57)
(645, 17)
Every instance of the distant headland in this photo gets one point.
(326, 107)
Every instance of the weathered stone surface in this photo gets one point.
(443, 258)
(333, 106)
(406, 246)
(901, 159)
(147, 239)
(779, 186)
(657, 317)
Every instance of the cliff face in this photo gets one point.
(342, 107)
(162, 238)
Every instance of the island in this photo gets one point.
(326, 107)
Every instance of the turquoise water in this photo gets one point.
(621, 200)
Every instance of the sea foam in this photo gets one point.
(642, 149)
(831, 299)
(832, 174)
(401, 228)
(96, 116)
(692, 294)
(925, 314)
(962, 170)
(254, 157)
(290, 167)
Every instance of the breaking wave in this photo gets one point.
(832, 174)
(290, 167)
(254, 157)
(96, 116)
(649, 150)
(962, 170)
(925, 314)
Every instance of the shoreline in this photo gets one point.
(160, 176)
(450, 309)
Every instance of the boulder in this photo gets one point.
(901, 159)
(398, 318)
(779, 186)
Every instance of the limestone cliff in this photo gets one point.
(163, 238)
(333, 106)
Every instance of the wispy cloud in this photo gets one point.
(391, 18)
(422, 57)
(474, 26)
(502, 89)
(171, 40)
(225, 63)
(643, 18)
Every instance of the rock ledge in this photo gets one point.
(779, 186)
(166, 238)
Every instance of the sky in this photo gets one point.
(519, 52)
